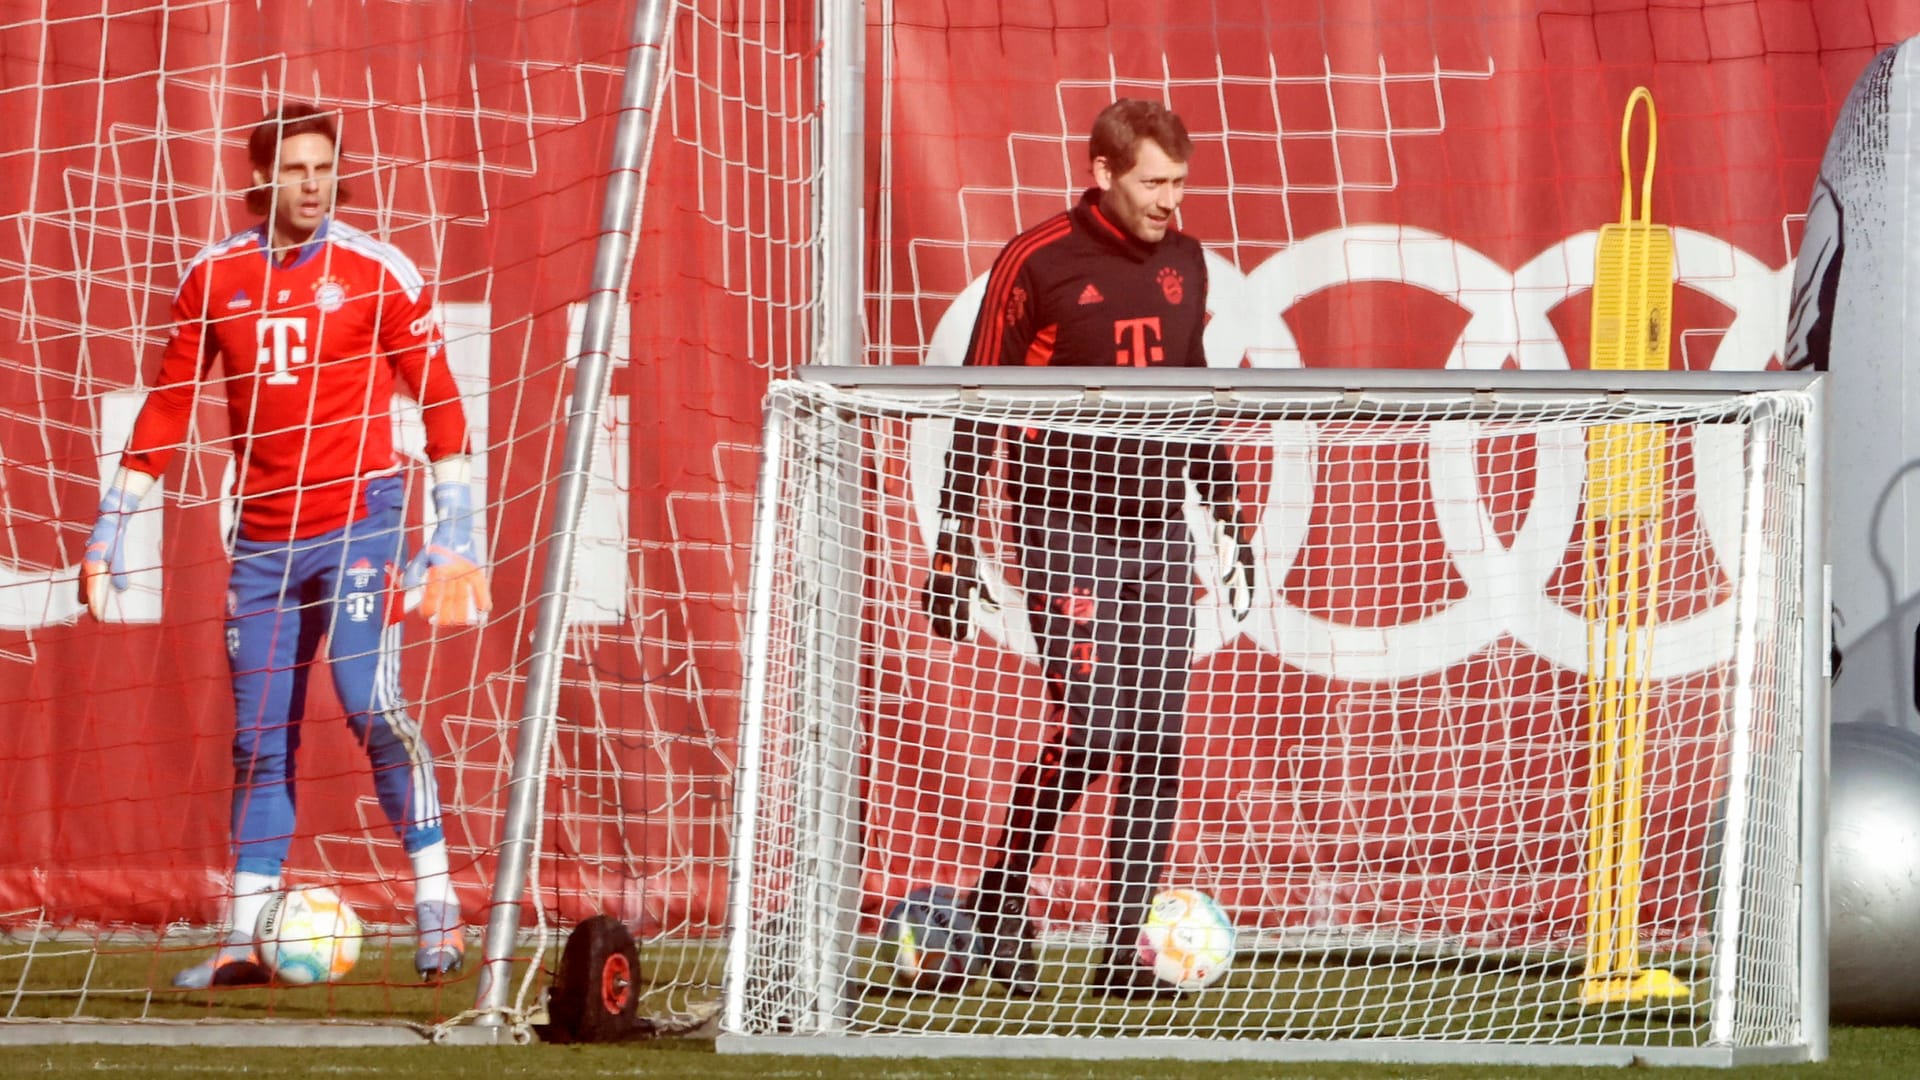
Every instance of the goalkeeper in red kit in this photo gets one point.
(1105, 556)
(315, 324)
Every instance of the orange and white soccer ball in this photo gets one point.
(1187, 940)
(308, 936)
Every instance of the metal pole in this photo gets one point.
(837, 338)
(1814, 760)
(840, 336)
(617, 216)
(1728, 930)
(753, 711)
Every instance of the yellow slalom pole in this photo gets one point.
(1602, 732)
(1626, 470)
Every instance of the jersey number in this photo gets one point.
(283, 343)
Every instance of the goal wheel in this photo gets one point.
(596, 993)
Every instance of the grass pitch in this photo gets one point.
(1301, 995)
(133, 982)
(1858, 1054)
(1327, 996)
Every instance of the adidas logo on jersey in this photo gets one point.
(239, 300)
(1090, 295)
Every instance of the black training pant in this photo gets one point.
(1111, 607)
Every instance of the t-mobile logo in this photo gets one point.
(282, 344)
(1139, 341)
(359, 606)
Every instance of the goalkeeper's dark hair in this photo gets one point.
(263, 147)
(1118, 129)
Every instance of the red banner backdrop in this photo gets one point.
(477, 139)
(1385, 184)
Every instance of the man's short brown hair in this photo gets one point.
(263, 146)
(1118, 129)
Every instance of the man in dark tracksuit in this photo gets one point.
(1104, 553)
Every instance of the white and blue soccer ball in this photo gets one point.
(308, 936)
(1187, 940)
(930, 939)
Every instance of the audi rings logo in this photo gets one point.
(1506, 579)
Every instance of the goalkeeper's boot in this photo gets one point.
(1003, 935)
(1124, 976)
(443, 941)
(234, 965)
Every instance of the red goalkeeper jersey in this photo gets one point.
(309, 348)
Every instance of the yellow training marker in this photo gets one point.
(1626, 473)
(1633, 269)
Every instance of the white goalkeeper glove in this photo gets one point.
(953, 586)
(456, 589)
(105, 559)
(1233, 555)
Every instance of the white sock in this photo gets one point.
(432, 879)
(250, 895)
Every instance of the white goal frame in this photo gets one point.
(822, 839)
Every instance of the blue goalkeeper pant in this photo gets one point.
(284, 599)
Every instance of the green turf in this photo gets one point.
(1331, 996)
(133, 981)
(1858, 1054)
(1318, 995)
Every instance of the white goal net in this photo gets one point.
(1507, 759)
(478, 139)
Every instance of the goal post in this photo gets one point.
(619, 212)
(1392, 768)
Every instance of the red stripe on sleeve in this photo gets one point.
(989, 346)
(1040, 352)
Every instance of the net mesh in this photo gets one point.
(475, 139)
(1391, 775)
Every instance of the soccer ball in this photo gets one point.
(307, 936)
(1187, 941)
(931, 941)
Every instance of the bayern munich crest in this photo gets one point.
(329, 296)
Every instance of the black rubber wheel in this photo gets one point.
(596, 993)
